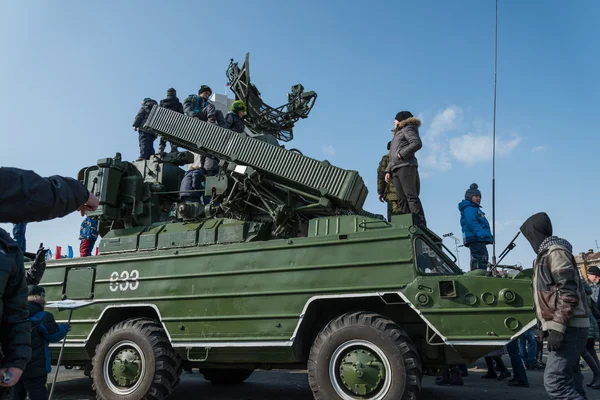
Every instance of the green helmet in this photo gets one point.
(238, 106)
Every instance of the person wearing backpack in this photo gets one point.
(171, 102)
(44, 330)
(146, 139)
(198, 106)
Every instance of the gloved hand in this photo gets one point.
(40, 256)
(68, 327)
(555, 339)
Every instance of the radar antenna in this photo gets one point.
(262, 118)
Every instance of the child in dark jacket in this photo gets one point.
(475, 228)
(44, 330)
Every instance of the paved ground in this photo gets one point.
(293, 385)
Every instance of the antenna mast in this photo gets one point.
(494, 143)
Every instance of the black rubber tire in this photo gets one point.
(226, 376)
(406, 371)
(163, 365)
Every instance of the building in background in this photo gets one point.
(586, 260)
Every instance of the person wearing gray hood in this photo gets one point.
(560, 306)
(403, 166)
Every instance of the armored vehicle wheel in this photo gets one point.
(135, 361)
(226, 376)
(366, 356)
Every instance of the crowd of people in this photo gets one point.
(196, 106)
(566, 306)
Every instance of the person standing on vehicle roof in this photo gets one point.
(561, 307)
(199, 107)
(403, 166)
(387, 191)
(27, 197)
(171, 102)
(234, 119)
(475, 228)
(146, 139)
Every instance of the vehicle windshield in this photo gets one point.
(429, 261)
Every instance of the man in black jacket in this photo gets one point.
(171, 102)
(27, 197)
(146, 139)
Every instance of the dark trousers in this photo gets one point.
(35, 388)
(408, 188)
(392, 208)
(479, 255)
(146, 145)
(516, 362)
(162, 145)
(590, 346)
(528, 348)
(562, 377)
(490, 361)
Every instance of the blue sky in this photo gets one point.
(74, 73)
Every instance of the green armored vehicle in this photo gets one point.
(281, 270)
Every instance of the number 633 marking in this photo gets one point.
(124, 281)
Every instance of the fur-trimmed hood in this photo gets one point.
(408, 121)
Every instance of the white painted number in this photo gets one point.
(134, 279)
(124, 281)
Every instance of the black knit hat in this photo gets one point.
(472, 191)
(402, 115)
(171, 92)
(593, 270)
(204, 88)
(35, 290)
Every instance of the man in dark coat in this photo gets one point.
(171, 102)
(560, 306)
(386, 190)
(44, 330)
(27, 197)
(146, 139)
(403, 166)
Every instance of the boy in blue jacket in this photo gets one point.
(475, 228)
(44, 330)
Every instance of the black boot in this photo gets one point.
(491, 372)
(504, 372)
(591, 362)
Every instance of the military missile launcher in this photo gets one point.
(281, 269)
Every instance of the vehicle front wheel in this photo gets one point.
(226, 376)
(135, 361)
(364, 356)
